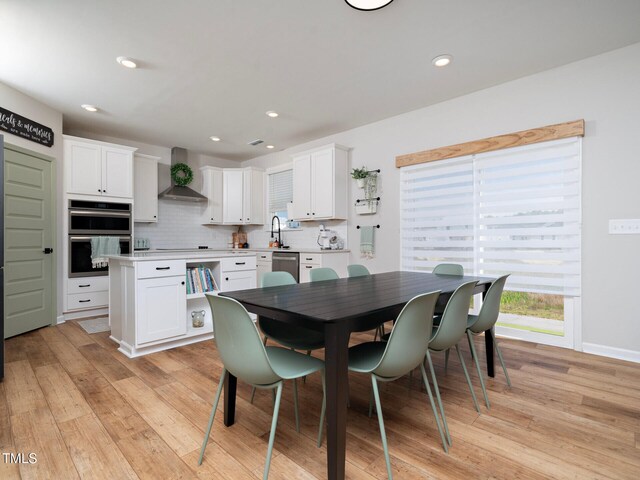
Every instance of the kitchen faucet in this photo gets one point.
(276, 217)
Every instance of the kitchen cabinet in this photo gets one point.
(242, 200)
(263, 265)
(320, 183)
(337, 260)
(98, 168)
(161, 309)
(145, 190)
(87, 292)
(212, 188)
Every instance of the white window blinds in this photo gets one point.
(525, 210)
(280, 190)
(437, 214)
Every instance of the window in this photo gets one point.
(515, 211)
(280, 194)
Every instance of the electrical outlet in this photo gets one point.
(624, 227)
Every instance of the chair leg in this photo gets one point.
(272, 434)
(212, 416)
(433, 408)
(375, 335)
(295, 404)
(504, 368)
(253, 390)
(466, 375)
(370, 403)
(304, 379)
(324, 409)
(474, 355)
(446, 360)
(383, 435)
(435, 386)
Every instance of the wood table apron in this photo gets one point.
(339, 307)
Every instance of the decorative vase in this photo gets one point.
(361, 182)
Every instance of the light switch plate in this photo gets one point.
(624, 226)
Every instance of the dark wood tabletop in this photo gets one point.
(339, 307)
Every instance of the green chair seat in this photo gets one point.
(289, 364)
(363, 358)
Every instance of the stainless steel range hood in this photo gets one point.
(176, 192)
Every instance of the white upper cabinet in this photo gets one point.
(212, 188)
(320, 183)
(98, 168)
(242, 198)
(145, 190)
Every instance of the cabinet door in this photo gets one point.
(83, 168)
(145, 191)
(305, 275)
(117, 172)
(322, 184)
(301, 187)
(161, 309)
(253, 198)
(212, 188)
(238, 280)
(233, 197)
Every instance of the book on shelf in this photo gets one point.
(200, 280)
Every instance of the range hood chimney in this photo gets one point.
(176, 192)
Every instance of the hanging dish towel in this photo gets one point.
(366, 242)
(101, 247)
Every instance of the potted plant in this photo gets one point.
(360, 175)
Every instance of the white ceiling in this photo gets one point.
(214, 67)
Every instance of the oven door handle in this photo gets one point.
(79, 239)
(94, 213)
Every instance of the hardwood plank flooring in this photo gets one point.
(89, 412)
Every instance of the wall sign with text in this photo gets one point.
(23, 127)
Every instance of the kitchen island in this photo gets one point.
(150, 302)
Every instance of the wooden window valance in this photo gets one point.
(517, 139)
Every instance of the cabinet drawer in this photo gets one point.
(263, 257)
(241, 280)
(87, 284)
(168, 268)
(238, 264)
(87, 300)
(311, 258)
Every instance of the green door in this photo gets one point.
(28, 232)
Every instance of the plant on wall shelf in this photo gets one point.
(360, 174)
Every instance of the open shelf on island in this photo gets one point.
(193, 296)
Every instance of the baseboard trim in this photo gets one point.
(612, 352)
(60, 319)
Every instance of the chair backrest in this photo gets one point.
(453, 324)
(238, 342)
(320, 274)
(274, 279)
(357, 270)
(448, 269)
(490, 306)
(409, 339)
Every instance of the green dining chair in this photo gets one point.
(484, 322)
(446, 269)
(322, 274)
(244, 356)
(357, 270)
(447, 335)
(405, 350)
(286, 334)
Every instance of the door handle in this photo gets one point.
(47, 250)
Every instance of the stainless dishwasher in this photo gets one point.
(286, 262)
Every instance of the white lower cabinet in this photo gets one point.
(308, 261)
(161, 309)
(263, 265)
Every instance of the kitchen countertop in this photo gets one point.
(187, 254)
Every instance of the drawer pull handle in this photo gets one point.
(241, 263)
(227, 279)
(308, 266)
(163, 268)
(83, 301)
(308, 258)
(84, 286)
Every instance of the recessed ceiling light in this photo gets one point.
(89, 108)
(442, 60)
(215, 139)
(270, 146)
(126, 62)
(272, 114)
(368, 5)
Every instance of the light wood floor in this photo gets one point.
(87, 411)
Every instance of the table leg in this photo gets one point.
(488, 345)
(230, 399)
(336, 365)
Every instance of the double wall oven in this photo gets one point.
(89, 219)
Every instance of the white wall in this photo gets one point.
(605, 91)
(26, 106)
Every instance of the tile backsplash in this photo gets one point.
(179, 226)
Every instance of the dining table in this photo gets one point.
(338, 308)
